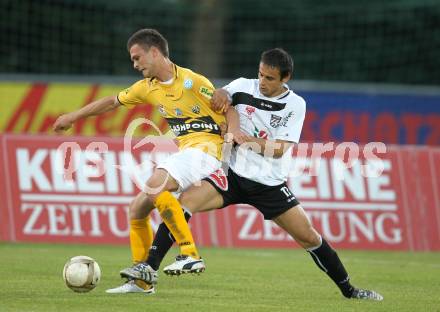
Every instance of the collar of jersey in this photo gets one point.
(278, 97)
(175, 88)
(175, 76)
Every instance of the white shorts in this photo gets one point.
(189, 166)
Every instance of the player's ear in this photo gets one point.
(154, 51)
(287, 78)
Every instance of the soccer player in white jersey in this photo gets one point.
(270, 117)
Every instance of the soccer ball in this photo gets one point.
(81, 274)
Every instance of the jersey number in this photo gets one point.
(286, 191)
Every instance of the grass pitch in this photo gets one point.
(235, 280)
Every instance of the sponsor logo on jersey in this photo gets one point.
(260, 133)
(206, 92)
(250, 110)
(188, 83)
(162, 110)
(286, 119)
(266, 105)
(220, 179)
(196, 109)
(249, 99)
(183, 126)
(178, 112)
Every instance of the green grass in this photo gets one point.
(235, 280)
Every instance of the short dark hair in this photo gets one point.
(148, 38)
(280, 59)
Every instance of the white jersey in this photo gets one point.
(280, 117)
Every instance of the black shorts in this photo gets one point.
(271, 201)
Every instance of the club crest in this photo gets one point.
(275, 120)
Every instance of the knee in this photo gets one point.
(159, 182)
(153, 189)
(184, 199)
(310, 239)
(139, 209)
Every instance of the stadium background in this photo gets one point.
(369, 72)
(368, 75)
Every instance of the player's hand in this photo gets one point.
(220, 100)
(238, 136)
(63, 123)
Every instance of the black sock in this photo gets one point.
(328, 261)
(163, 241)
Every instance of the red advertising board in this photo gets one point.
(347, 201)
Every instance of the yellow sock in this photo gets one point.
(172, 215)
(142, 284)
(141, 238)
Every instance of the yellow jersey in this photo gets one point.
(184, 103)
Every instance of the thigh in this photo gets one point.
(227, 186)
(160, 181)
(202, 197)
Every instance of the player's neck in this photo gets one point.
(276, 93)
(166, 70)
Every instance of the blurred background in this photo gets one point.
(369, 72)
(396, 41)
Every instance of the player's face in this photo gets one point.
(143, 60)
(271, 83)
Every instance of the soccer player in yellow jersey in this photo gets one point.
(182, 97)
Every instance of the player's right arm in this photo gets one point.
(98, 107)
(233, 131)
(134, 95)
(221, 100)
